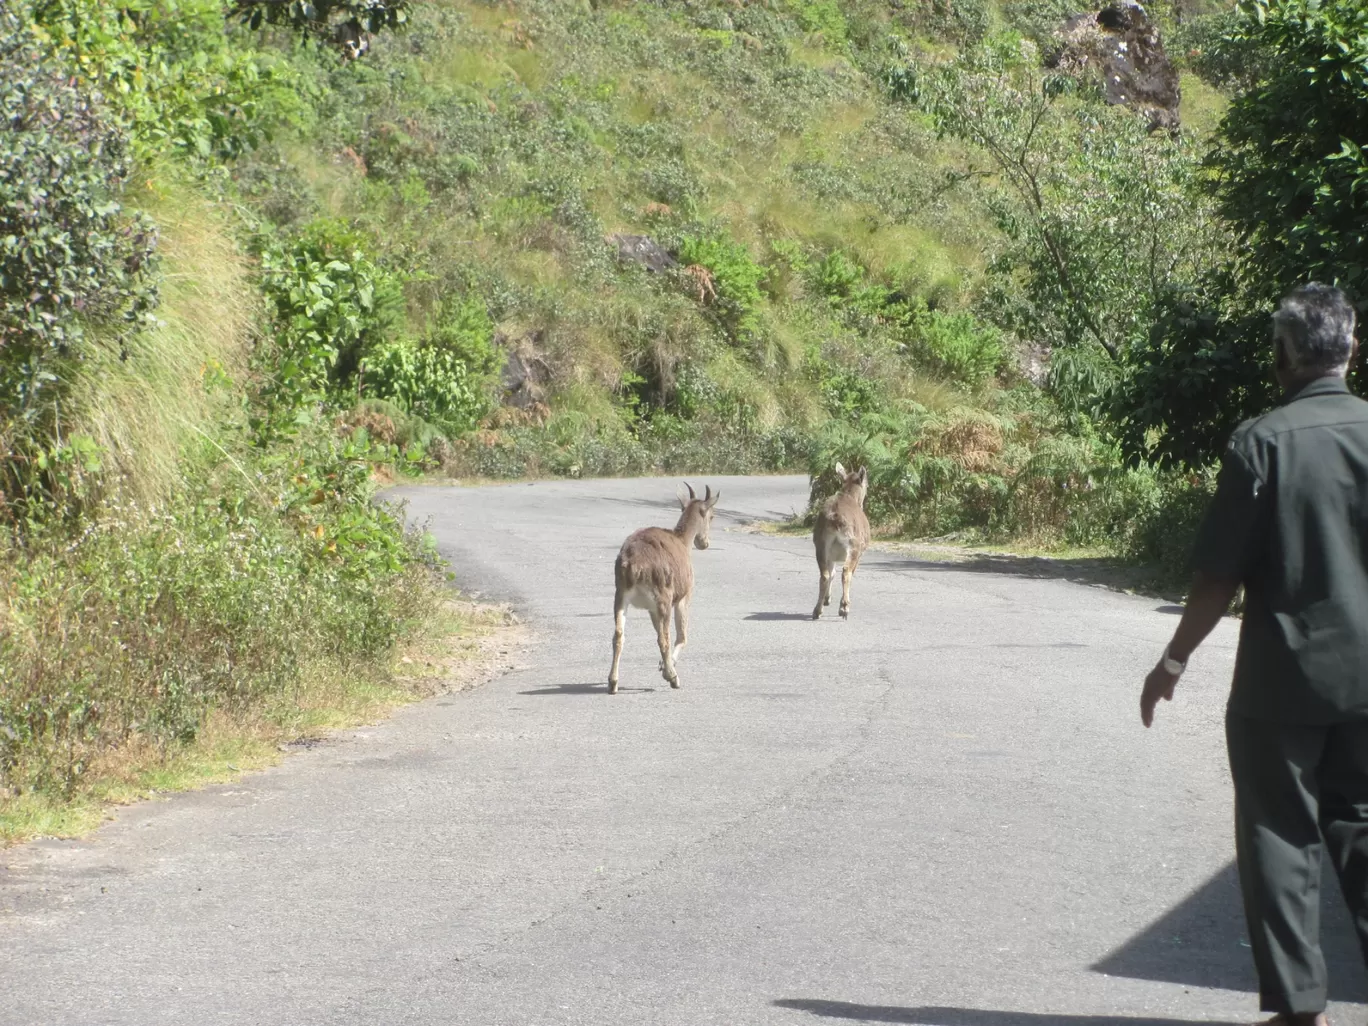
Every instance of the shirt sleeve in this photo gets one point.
(1230, 539)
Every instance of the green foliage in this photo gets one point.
(1206, 366)
(957, 345)
(849, 395)
(175, 78)
(431, 382)
(1099, 215)
(465, 330)
(1289, 177)
(736, 279)
(74, 264)
(331, 305)
(347, 24)
(1293, 169)
(1163, 527)
(222, 599)
(822, 16)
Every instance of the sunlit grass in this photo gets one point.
(143, 404)
(441, 651)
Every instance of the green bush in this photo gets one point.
(465, 330)
(74, 264)
(1161, 531)
(824, 16)
(175, 76)
(220, 600)
(331, 304)
(736, 279)
(956, 345)
(430, 382)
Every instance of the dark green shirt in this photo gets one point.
(1290, 522)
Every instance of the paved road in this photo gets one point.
(943, 812)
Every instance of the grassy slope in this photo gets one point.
(492, 149)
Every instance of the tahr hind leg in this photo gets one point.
(619, 627)
(823, 589)
(660, 617)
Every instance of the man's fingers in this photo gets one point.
(1157, 685)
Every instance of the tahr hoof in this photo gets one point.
(675, 683)
(845, 612)
(612, 687)
(817, 613)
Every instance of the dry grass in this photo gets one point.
(464, 645)
(142, 410)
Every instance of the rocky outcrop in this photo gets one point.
(1120, 47)
(526, 374)
(643, 250)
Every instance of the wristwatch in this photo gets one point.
(1172, 666)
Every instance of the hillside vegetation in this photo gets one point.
(256, 257)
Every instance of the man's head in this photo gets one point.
(1313, 330)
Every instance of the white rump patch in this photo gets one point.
(640, 597)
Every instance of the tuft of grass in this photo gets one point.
(458, 645)
(143, 405)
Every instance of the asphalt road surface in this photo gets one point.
(942, 812)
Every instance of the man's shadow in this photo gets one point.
(1200, 942)
(941, 1016)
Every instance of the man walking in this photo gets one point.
(1290, 523)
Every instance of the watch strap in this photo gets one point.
(1172, 666)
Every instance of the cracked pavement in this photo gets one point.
(942, 812)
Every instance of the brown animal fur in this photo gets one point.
(841, 534)
(653, 571)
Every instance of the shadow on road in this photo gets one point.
(1201, 942)
(671, 505)
(780, 616)
(1097, 573)
(595, 688)
(936, 1016)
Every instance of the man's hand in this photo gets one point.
(1207, 603)
(1159, 684)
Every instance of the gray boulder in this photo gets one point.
(1121, 47)
(643, 250)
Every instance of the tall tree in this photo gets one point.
(1290, 176)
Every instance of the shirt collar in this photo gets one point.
(1331, 384)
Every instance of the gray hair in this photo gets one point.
(1315, 324)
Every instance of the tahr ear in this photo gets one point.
(683, 495)
(864, 475)
(840, 469)
(710, 499)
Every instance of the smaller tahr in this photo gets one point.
(841, 535)
(653, 572)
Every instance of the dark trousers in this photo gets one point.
(1300, 791)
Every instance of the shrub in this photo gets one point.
(736, 278)
(822, 16)
(1162, 530)
(224, 599)
(465, 331)
(331, 304)
(427, 381)
(175, 76)
(956, 345)
(74, 264)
